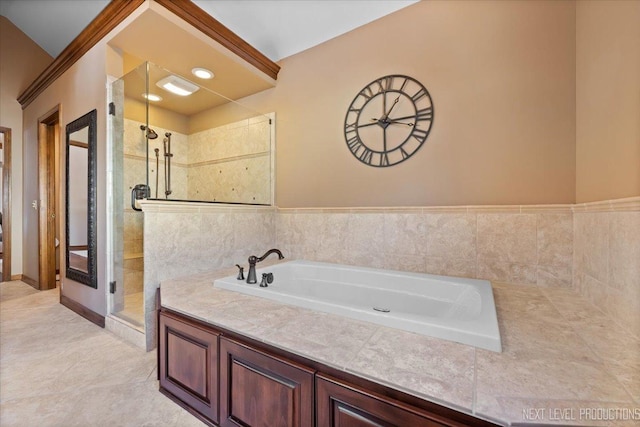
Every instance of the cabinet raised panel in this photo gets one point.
(235, 382)
(343, 405)
(188, 358)
(260, 390)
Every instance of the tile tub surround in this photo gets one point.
(515, 244)
(183, 238)
(607, 258)
(558, 353)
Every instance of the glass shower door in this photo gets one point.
(129, 170)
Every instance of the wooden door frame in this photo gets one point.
(48, 137)
(6, 205)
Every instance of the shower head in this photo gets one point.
(151, 134)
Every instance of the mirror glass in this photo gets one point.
(80, 200)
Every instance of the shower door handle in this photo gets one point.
(139, 192)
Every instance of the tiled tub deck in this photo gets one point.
(562, 362)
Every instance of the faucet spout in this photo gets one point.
(253, 260)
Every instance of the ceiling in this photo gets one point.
(277, 28)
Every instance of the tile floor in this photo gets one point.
(58, 369)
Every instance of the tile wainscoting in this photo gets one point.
(183, 239)
(527, 245)
(606, 258)
(592, 247)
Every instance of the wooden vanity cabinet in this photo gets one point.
(226, 380)
(188, 365)
(259, 389)
(339, 404)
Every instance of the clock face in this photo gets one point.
(388, 121)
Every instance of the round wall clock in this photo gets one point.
(388, 121)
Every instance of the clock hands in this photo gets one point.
(395, 121)
(387, 122)
(355, 125)
(386, 116)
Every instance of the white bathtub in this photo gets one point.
(454, 309)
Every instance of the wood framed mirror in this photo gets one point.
(80, 200)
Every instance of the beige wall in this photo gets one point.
(502, 78)
(607, 100)
(78, 91)
(82, 88)
(21, 61)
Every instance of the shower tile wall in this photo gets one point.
(134, 172)
(227, 163)
(179, 164)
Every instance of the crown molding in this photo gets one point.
(207, 24)
(116, 12)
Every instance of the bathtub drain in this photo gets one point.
(381, 309)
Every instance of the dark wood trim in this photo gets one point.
(112, 15)
(79, 144)
(158, 332)
(118, 10)
(213, 28)
(442, 414)
(48, 138)
(78, 248)
(81, 310)
(28, 280)
(16, 277)
(6, 205)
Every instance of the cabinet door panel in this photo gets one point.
(348, 416)
(186, 363)
(257, 389)
(342, 405)
(189, 365)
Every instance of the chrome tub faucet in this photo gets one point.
(253, 260)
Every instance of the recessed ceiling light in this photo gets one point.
(202, 73)
(177, 85)
(152, 97)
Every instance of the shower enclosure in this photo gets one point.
(203, 147)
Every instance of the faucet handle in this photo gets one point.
(240, 272)
(266, 279)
